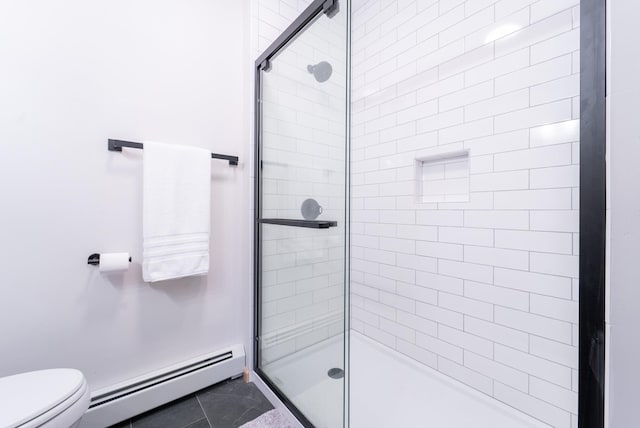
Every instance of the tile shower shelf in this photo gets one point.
(312, 224)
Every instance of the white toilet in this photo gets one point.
(55, 398)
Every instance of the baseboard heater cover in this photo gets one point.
(130, 398)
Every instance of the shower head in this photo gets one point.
(321, 71)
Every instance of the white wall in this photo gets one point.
(480, 284)
(75, 73)
(624, 214)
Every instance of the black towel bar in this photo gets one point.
(117, 145)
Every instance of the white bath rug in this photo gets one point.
(271, 419)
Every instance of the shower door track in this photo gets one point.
(329, 7)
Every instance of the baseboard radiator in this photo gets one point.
(134, 396)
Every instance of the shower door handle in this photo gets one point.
(312, 224)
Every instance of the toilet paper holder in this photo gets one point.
(94, 259)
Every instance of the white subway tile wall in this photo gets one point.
(303, 156)
(481, 286)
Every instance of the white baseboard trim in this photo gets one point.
(135, 396)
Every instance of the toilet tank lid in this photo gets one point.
(26, 396)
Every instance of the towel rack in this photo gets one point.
(117, 145)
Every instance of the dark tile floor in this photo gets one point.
(228, 404)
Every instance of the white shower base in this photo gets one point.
(388, 390)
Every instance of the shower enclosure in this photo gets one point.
(430, 213)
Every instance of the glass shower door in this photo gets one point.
(301, 215)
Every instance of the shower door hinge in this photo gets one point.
(330, 8)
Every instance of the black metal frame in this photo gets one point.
(263, 64)
(310, 224)
(117, 145)
(329, 7)
(592, 213)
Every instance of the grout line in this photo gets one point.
(201, 419)
(203, 411)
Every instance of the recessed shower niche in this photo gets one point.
(443, 177)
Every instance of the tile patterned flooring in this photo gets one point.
(228, 404)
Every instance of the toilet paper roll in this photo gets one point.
(110, 262)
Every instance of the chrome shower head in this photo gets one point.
(321, 71)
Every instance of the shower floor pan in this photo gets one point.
(388, 390)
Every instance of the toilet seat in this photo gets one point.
(46, 398)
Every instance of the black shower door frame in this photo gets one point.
(591, 366)
(263, 64)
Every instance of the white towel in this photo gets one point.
(175, 211)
